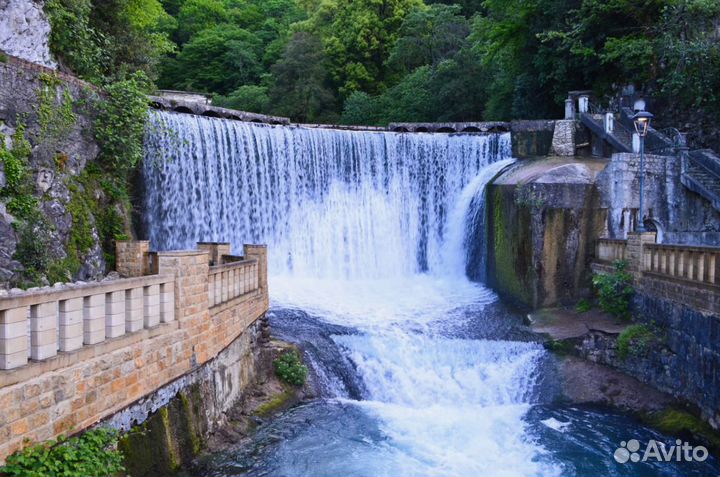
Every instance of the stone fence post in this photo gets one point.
(131, 257)
(215, 251)
(190, 269)
(259, 252)
(634, 255)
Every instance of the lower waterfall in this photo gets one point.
(418, 370)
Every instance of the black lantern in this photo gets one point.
(642, 122)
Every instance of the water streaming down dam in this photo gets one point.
(419, 370)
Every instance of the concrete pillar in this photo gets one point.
(131, 257)
(134, 310)
(167, 302)
(151, 306)
(115, 314)
(569, 109)
(94, 319)
(13, 338)
(609, 123)
(71, 324)
(636, 143)
(43, 330)
(215, 251)
(583, 103)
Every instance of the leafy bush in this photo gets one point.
(615, 290)
(635, 340)
(583, 306)
(120, 126)
(93, 454)
(289, 368)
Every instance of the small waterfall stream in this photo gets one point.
(421, 371)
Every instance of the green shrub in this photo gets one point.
(289, 368)
(92, 454)
(635, 340)
(615, 290)
(583, 306)
(120, 126)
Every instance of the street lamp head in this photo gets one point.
(642, 122)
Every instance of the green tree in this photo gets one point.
(357, 36)
(219, 59)
(300, 90)
(429, 36)
(246, 98)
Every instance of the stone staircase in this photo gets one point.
(702, 175)
(620, 139)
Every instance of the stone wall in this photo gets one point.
(72, 391)
(55, 164)
(532, 138)
(680, 216)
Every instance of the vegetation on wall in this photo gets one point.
(94, 453)
(635, 340)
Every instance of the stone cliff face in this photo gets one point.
(25, 31)
(54, 111)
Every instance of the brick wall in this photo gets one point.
(72, 391)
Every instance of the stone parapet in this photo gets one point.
(76, 355)
(132, 258)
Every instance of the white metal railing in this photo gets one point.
(231, 280)
(38, 324)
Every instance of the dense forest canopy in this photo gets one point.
(375, 61)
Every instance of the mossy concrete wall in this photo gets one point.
(541, 231)
(187, 411)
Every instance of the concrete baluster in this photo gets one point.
(712, 268)
(151, 305)
(134, 310)
(167, 302)
(43, 330)
(94, 319)
(115, 314)
(13, 338)
(701, 267)
(71, 324)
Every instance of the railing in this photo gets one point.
(231, 280)
(39, 324)
(697, 264)
(609, 250)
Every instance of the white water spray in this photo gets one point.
(368, 230)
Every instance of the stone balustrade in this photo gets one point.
(684, 274)
(74, 355)
(38, 324)
(609, 250)
(696, 264)
(231, 280)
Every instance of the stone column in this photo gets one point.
(131, 256)
(569, 109)
(634, 253)
(190, 270)
(215, 251)
(259, 252)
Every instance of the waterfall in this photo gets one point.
(369, 232)
(329, 203)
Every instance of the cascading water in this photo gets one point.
(368, 237)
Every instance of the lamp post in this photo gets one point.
(642, 125)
